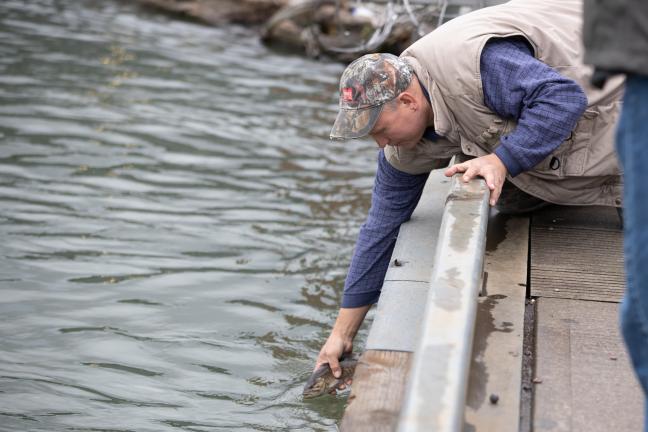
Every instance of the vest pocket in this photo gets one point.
(488, 139)
(571, 157)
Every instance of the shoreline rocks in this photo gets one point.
(331, 28)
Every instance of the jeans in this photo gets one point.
(632, 147)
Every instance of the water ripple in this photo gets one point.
(176, 225)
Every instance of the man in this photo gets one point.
(504, 84)
(616, 39)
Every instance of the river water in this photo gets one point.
(175, 225)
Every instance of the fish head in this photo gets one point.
(318, 387)
(319, 382)
(322, 380)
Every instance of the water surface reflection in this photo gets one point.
(175, 225)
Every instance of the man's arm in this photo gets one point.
(340, 342)
(394, 198)
(545, 104)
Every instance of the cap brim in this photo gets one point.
(355, 123)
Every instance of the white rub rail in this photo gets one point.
(436, 391)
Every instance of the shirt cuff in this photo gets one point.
(359, 299)
(512, 166)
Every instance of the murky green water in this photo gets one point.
(175, 225)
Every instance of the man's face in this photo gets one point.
(399, 125)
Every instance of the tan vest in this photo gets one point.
(584, 170)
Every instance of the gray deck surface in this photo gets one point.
(584, 381)
(404, 293)
(587, 381)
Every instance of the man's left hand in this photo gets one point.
(489, 167)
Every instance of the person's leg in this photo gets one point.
(632, 146)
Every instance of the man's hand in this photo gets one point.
(335, 347)
(340, 342)
(489, 167)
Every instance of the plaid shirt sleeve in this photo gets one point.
(393, 200)
(545, 104)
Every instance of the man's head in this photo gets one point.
(380, 96)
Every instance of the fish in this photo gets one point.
(322, 380)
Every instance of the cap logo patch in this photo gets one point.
(347, 94)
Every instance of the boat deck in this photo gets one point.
(584, 381)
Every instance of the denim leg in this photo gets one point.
(632, 146)
(637, 344)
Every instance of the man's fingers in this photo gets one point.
(470, 173)
(345, 384)
(489, 167)
(495, 194)
(334, 364)
(455, 169)
(495, 185)
(490, 180)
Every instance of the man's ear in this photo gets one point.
(408, 99)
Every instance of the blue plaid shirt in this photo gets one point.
(545, 104)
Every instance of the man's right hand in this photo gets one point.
(340, 342)
(334, 349)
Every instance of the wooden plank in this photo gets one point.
(577, 253)
(377, 392)
(496, 367)
(584, 381)
(597, 217)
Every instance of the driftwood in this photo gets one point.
(335, 28)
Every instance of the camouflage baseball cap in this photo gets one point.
(366, 85)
